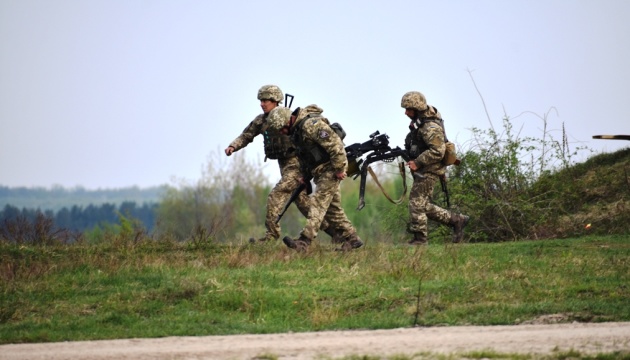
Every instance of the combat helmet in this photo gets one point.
(278, 117)
(270, 92)
(414, 100)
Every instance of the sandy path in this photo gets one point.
(587, 338)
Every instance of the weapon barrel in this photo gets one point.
(294, 196)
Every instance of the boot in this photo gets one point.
(352, 242)
(418, 239)
(300, 244)
(335, 238)
(458, 222)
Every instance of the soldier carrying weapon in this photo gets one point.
(322, 156)
(277, 147)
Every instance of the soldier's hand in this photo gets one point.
(412, 165)
(340, 175)
(229, 150)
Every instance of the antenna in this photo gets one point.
(286, 100)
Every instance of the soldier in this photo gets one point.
(277, 147)
(323, 158)
(425, 143)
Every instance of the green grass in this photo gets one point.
(155, 289)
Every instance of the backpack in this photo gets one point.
(338, 130)
(336, 127)
(450, 155)
(313, 155)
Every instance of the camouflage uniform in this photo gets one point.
(426, 144)
(430, 134)
(289, 174)
(277, 146)
(322, 155)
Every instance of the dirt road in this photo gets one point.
(587, 338)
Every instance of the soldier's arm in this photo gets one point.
(433, 136)
(326, 137)
(253, 129)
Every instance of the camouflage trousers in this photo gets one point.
(289, 180)
(421, 206)
(326, 207)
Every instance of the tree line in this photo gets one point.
(82, 218)
(56, 197)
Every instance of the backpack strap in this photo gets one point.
(440, 122)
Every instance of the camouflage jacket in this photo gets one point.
(276, 145)
(319, 147)
(429, 139)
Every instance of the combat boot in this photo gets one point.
(458, 222)
(335, 238)
(418, 239)
(352, 242)
(300, 244)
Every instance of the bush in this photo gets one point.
(39, 231)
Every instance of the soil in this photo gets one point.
(534, 339)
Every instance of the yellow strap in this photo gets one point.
(401, 168)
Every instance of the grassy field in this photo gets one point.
(155, 289)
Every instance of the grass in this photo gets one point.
(155, 289)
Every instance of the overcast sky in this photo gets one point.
(116, 93)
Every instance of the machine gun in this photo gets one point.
(377, 149)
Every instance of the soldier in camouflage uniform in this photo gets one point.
(426, 146)
(277, 147)
(323, 157)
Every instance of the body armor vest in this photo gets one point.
(311, 154)
(277, 145)
(414, 143)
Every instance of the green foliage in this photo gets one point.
(157, 287)
(524, 187)
(380, 220)
(39, 231)
(227, 202)
(126, 232)
(490, 185)
(595, 192)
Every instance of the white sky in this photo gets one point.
(115, 93)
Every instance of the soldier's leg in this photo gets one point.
(325, 187)
(290, 171)
(336, 217)
(450, 218)
(278, 197)
(303, 203)
(435, 212)
(419, 200)
(319, 202)
(446, 217)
